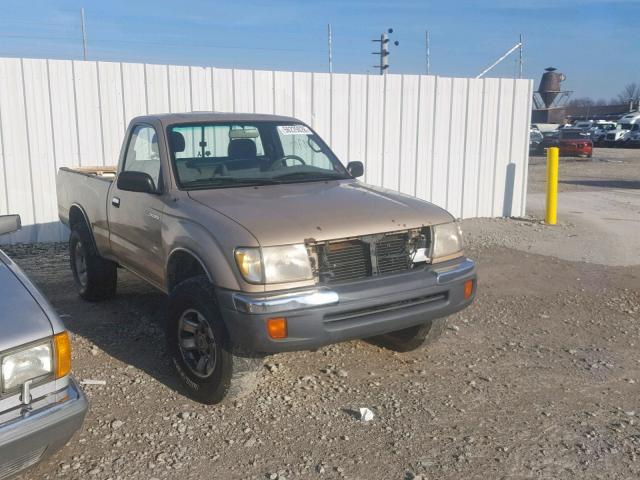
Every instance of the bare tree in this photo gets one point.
(631, 91)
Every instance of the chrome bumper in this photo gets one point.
(323, 296)
(316, 297)
(450, 273)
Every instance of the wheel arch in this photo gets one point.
(77, 215)
(183, 263)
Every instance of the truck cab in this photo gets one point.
(624, 128)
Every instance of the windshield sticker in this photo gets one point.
(294, 130)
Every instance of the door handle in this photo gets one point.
(115, 201)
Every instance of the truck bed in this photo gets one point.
(102, 172)
(88, 189)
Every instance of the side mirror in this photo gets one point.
(9, 224)
(355, 169)
(136, 182)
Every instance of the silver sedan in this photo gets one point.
(41, 406)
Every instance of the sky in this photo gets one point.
(596, 43)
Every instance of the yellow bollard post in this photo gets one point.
(551, 215)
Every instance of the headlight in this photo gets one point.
(289, 263)
(50, 357)
(447, 241)
(27, 364)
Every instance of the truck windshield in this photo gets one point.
(234, 154)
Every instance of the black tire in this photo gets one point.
(411, 338)
(210, 367)
(95, 277)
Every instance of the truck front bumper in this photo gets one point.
(350, 310)
(32, 435)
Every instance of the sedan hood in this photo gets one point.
(293, 213)
(22, 320)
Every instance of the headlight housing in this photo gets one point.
(287, 263)
(47, 358)
(447, 241)
(26, 364)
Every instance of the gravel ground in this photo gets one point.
(539, 378)
(609, 168)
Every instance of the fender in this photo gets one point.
(86, 221)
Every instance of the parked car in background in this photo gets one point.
(549, 139)
(41, 406)
(625, 127)
(535, 138)
(634, 139)
(575, 143)
(599, 131)
(264, 243)
(583, 124)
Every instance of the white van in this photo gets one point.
(627, 125)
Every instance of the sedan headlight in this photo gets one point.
(51, 357)
(447, 241)
(26, 364)
(288, 263)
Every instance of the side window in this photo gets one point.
(142, 153)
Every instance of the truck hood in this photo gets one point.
(23, 320)
(293, 213)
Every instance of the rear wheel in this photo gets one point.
(411, 338)
(210, 367)
(96, 278)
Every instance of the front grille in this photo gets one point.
(345, 260)
(356, 258)
(392, 253)
(611, 136)
(21, 462)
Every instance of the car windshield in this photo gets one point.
(234, 154)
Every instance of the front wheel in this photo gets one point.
(210, 367)
(411, 338)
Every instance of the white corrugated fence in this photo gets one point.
(458, 142)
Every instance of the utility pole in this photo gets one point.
(384, 51)
(520, 57)
(84, 35)
(428, 53)
(330, 48)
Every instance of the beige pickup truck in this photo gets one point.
(264, 243)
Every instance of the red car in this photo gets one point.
(575, 143)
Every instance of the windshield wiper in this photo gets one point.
(311, 176)
(215, 181)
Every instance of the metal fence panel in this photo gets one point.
(461, 143)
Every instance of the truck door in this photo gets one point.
(135, 218)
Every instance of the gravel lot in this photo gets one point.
(538, 379)
(609, 168)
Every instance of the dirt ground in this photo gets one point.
(609, 168)
(539, 378)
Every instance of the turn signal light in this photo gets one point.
(468, 289)
(62, 347)
(277, 327)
